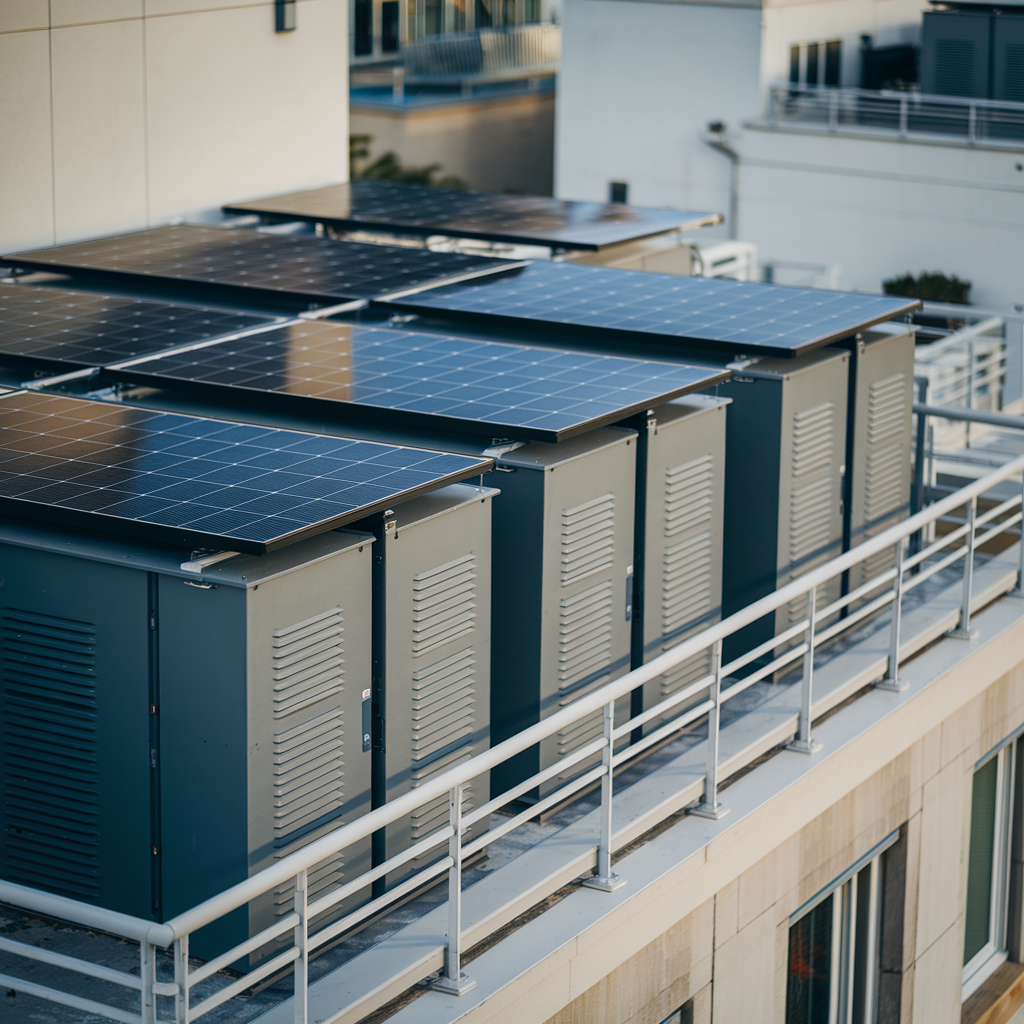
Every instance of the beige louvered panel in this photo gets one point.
(322, 878)
(443, 604)
(887, 407)
(813, 440)
(308, 772)
(434, 815)
(810, 519)
(442, 704)
(579, 733)
(686, 582)
(307, 662)
(688, 495)
(682, 675)
(883, 491)
(584, 633)
(588, 538)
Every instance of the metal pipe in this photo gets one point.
(301, 939)
(710, 807)
(963, 631)
(958, 412)
(605, 879)
(452, 980)
(804, 743)
(892, 679)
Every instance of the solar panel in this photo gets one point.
(241, 262)
(49, 325)
(197, 481)
(432, 380)
(740, 316)
(416, 209)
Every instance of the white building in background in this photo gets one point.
(641, 82)
(122, 114)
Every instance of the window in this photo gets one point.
(835, 941)
(389, 26)
(618, 192)
(794, 63)
(833, 53)
(684, 1015)
(362, 41)
(812, 63)
(988, 868)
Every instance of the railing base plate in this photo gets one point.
(892, 685)
(714, 813)
(962, 634)
(453, 986)
(804, 746)
(609, 884)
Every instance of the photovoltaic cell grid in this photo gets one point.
(743, 317)
(529, 219)
(95, 330)
(482, 387)
(321, 269)
(191, 480)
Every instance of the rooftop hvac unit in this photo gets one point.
(169, 731)
(436, 567)
(955, 52)
(683, 535)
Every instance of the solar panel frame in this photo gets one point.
(586, 226)
(427, 380)
(58, 328)
(198, 481)
(723, 314)
(243, 264)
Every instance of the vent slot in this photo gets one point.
(308, 775)
(584, 634)
(434, 815)
(954, 67)
(443, 604)
(1013, 72)
(321, 879)
(682, 675)
(50, 763)
(887, 409)
(588, 538)
(885, 466)
(688, 494)
(810, 519)
(308, 662)
(813, 440)
(686, 582)
(443, 695)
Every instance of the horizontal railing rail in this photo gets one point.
(785, 652)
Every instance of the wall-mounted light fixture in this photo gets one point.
(284, 15)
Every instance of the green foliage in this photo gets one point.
(389, 168)
(929, 287)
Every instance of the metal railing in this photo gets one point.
(616, 745)
(903, 114)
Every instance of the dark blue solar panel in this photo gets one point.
(741, 316)
(321, 269)
(537, 220)
(54, 325)
(197, 481)
(434, 380)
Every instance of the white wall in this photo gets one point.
(880, 208)
(638, 85)
(121, 114)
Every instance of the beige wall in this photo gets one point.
(738, 940)
(120, 114)
(499, 144)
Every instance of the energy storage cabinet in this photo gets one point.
(167, 733)
(563, 531)
(683, 536)
(437, 568)
(881, 396)
(784, 478)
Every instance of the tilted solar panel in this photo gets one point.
(432, 380)
(734, 315)
(240, 262)
(417, 209)
(51, 325)
(198, 481)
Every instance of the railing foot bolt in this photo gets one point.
(892, 685)
(609, 884)
(453, 986)
(702, 810)
(962, 634)
(804, 746)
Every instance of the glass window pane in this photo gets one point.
(810, 958)
(980, 857)
(389, 26)
(812, 63)
(362, 42)
(794, 63)
(833, 50)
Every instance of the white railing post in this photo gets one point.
(1020, 562)
(181, 980)
(972, 124)
(452, 980)
(964, 631)
(302, 945)
(892, 681)
(147, 957)
(802, 743)
(710, 806)
(903, 116)
(605, 879)
(833, 110)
